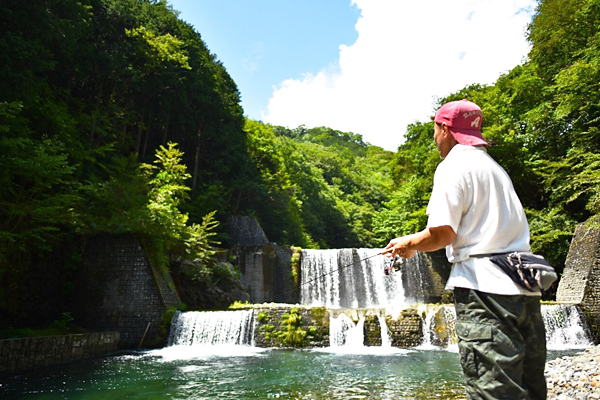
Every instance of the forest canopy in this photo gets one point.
(115, 117)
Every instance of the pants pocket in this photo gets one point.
(472, 340)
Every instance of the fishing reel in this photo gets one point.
(392, 264)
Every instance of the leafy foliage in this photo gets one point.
(91, 90)
(323, 195)
(291, 333)
(167, 191)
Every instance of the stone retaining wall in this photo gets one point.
(580, 281)
(119, 289)
(405, 330)
(27, 353)
(270, 322)
(245, 230)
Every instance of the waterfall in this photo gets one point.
(386, 341)
(565, 327)
(212, 328)
(344, 332)
(355, 278)
(439, 323)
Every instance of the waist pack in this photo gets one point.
(529, 270)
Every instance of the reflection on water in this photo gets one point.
(246, 373)
(243, 372)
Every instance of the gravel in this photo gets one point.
(576, 377)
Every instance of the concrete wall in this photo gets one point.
(119, 290)
(265, 267)
(245, 231)
(266, 271)
(27, 353)
(580, 281)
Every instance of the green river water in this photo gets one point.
(241, 372)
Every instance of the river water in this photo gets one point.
(244, 372)
(212, 355)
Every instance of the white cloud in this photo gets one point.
(406, 54)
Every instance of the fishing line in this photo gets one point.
(338, 269)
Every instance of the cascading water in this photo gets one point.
(213, 328)
(564, 327)
(439, 325)
(344, 332)
(354, 278)
(385, 334)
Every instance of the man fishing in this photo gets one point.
(474, 212)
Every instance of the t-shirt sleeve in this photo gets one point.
(446, 203)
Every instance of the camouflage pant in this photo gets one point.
(502, 345)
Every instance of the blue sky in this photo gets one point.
(365, 66)
(263, 42)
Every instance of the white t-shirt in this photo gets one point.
(475, 196)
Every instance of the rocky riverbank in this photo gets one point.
(576, 377)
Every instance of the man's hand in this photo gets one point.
(399, 247)
(429, 239)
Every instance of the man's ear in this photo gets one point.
(445, 129)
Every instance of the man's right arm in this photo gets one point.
(429, 239)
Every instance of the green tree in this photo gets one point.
(36, 202)
(167, 223)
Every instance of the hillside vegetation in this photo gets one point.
(115, 117)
